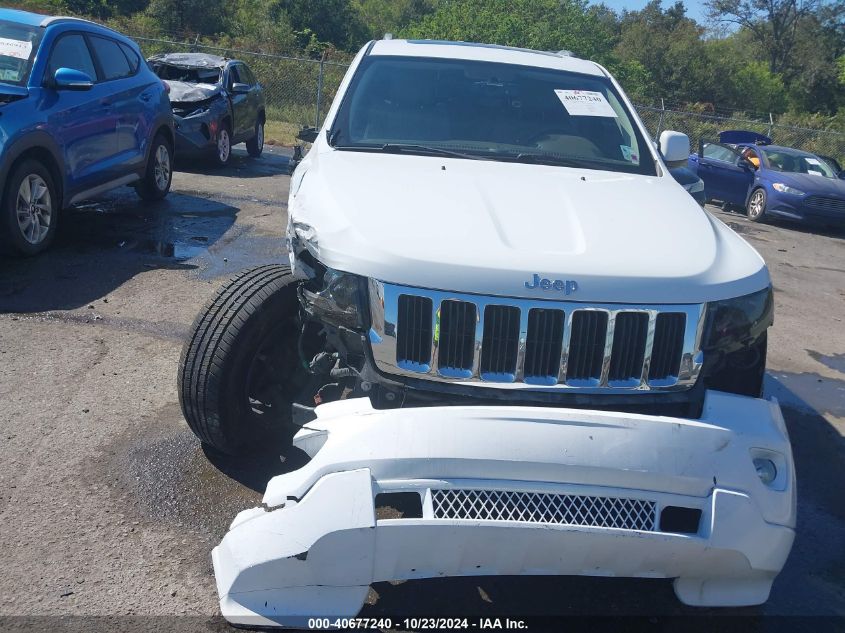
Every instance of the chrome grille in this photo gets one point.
(822, 203)
(512, 343)
(544, 507)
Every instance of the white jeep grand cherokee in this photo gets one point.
(524, 336)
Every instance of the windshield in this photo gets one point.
(18, 44)
(490, 110)
(798, 163)
(189, 75)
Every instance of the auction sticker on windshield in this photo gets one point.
(585, 103)
(15, 48)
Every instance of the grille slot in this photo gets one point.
(630, 332)
(413, 340)
(821, 203)
(457, 336)
(586, 347)
(543, 345)
(668, 345)
(543, 507)
(500, 343)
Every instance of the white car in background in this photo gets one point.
(521, 333)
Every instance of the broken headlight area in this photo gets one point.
(335, 297)
(738, 323)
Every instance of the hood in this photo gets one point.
(488, 227)
(810, 184)
(183, 91)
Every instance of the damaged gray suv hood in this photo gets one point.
(181, 91)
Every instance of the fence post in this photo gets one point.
(194, 45)
(771, 125)
(320, 90)
(660, 120)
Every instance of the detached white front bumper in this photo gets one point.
(510, 491)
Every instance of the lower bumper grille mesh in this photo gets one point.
(541, 507)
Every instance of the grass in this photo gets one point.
(281, 133)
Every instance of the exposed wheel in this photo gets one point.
(757, 205)
(255, 145)
(30, 210)
(159, 173)
(223, 148)
(240, 370)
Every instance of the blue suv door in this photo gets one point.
(132, 97)
(85, 123)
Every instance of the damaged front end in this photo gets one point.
(198, 110)
(508, 490)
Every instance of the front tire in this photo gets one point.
(757, 205)
(159, 173)
(255, 145)
(223, 146)
(239, 370)
(30, 210)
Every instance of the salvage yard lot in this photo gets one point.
(109, 506)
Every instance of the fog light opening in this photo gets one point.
(766, 470)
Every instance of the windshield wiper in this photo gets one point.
(546, 159)
(410, 148)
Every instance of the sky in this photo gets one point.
(695, 10)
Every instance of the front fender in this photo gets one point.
(18, 145)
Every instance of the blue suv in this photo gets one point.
(80, 113)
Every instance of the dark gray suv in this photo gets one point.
(217, 103)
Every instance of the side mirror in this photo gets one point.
(70, 79)
(241, 89)
(674, 146)
(308, 134)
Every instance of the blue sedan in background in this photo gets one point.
(745, 169)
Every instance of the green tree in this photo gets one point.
(549, 25)
(668, 46)
(204, 17)
(772, 23)
(378, 17)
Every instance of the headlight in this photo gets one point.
(779, 186)
(696, 187)
(734, 323)
(337, 298)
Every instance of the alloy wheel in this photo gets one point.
(161, 168)
(34, 208)
(755, 205)
(223, 145)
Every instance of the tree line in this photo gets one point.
(786, 57)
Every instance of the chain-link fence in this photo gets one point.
(706, 127)
(299, 92)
